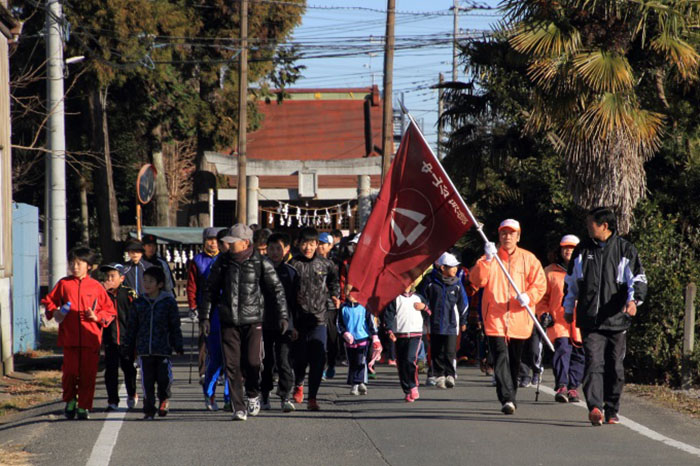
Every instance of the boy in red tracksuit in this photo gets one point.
(82, 309)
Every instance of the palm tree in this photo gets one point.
(599, 69)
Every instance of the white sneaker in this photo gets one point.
(287, 406)
(355, 390)
(363, 389)
(508, 407)
(210, 403)
(440, 382)
(240, 416)
(430, 382)
(449, 381)
(132, 402)
(111, 407)
(254, 405)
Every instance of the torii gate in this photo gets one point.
(307, 172)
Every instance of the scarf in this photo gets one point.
(242, 256)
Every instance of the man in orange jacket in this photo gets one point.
(568, 360)
(506, 322)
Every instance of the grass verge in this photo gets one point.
(17, 394)
(683, 401)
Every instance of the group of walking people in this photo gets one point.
(267, 304)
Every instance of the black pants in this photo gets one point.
(357, 364)
(202, 354)
(331, 338)
(310, 350)
(242, 350)
(277, 354)
(506, 363)
(406, 358)
(531, 359)
(443, 351)
(114, 360)
(604, 374)
(155, 369)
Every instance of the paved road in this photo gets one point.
(459, 426)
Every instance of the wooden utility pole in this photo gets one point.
(441, 79)
(688, 335)
(455, 26)
(387, 121)
(241, 205)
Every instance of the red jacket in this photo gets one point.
(83, 294)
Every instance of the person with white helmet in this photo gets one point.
(568, 361)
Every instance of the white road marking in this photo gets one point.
(102, 450)
(640, 429)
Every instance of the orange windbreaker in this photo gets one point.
(503, 316)
(551, 302)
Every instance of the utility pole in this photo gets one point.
(455, 26)
(56, 142)
(387, 122)
(441, 79)
(241, 205)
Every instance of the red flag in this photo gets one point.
(418, 216)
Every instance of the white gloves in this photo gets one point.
(523, 299)
(194, 315)
(490, 251)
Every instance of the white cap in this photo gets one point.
(569, 240)
(509, 223)
(448, 260)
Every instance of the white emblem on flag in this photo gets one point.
(415, 233)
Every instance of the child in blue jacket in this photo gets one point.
(448, 304)
(357, 326)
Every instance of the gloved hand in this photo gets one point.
(490, 251)
(376, 347)
(349, 339)
(546, 320)
(523, 299)
(284, 325)
(204, 327)
(193, 314)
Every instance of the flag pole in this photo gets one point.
(479, 228)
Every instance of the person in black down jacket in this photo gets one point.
(316, 286)
(153, 329)
(607, 279)
(113, 338)
(235, 285)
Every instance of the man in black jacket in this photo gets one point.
(234, 284)
(317, 286)
(606, 283)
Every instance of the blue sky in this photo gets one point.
(414, 69)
